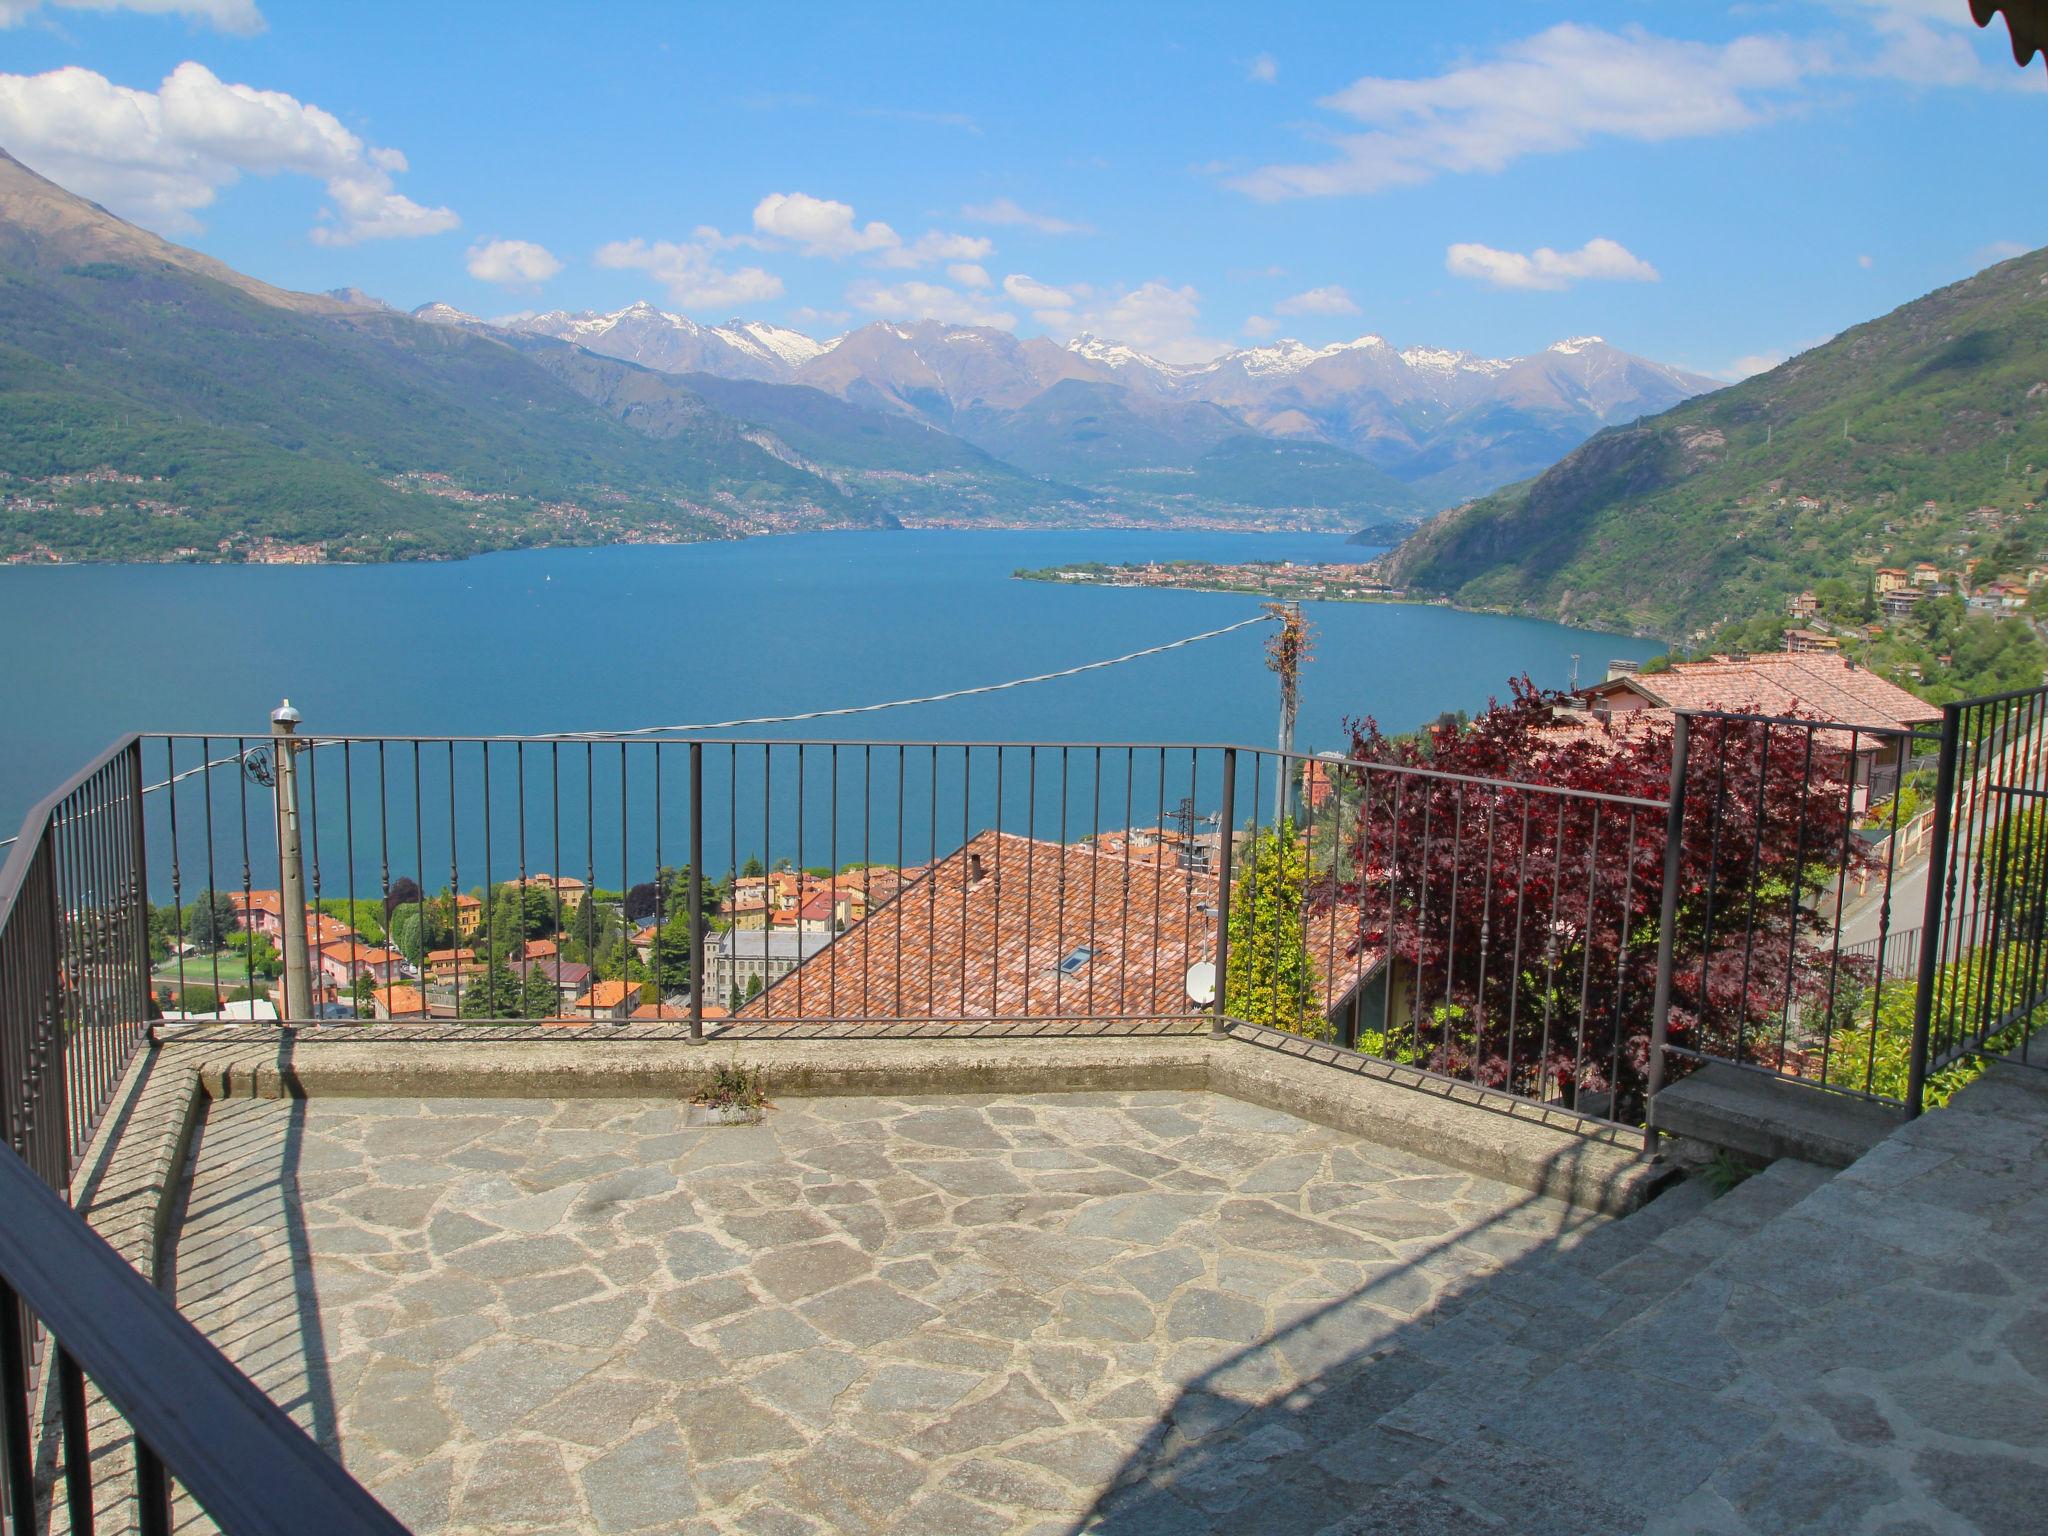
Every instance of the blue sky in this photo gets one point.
(1715, 186)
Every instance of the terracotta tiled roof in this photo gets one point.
(606, 995)
(993, 946)
(361, 954)
(1603, 728)
(1820, 687)
(400, 1001)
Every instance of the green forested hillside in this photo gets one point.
(1920, 435)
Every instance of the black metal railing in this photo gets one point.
(1783, 918)
(74, 993)
(1983, 973)
(932, 884)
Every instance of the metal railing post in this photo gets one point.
(17, 1481)
(696, 895)
(1930, 922)
(138, 889)
(298, 979)
(1667, 924)
(1219, 1018)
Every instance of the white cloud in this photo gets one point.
(686, 268)
(805, 315)
(1866, 262)
(515, 263)
(818, 226)
(237, 16)
(1598, 260)
(1260, 326)
(969, 274)
(1331, 299)
(1571, 84)
(1263, 70)
(1004, 211)
(1154, 317)
(1752, 363)
(1033, 294)
(1997, 251)
(1762, 362)
(914, 300)
(159, 156)
(1555, 91)
(936, 245)
(1930, 43)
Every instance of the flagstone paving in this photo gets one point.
(948, 1314)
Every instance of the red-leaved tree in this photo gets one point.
(1513, 869)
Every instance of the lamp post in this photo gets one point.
(298, 977)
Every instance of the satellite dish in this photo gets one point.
(1202, 982)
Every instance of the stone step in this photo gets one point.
(1537, 1397)
(1745, 1208)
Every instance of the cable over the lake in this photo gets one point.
(930, 698)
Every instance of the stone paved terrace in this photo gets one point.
(922, 1314)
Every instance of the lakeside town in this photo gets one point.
(1287, 580)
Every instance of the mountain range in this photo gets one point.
(1920, 435)
(1445, 424)
(155, 403)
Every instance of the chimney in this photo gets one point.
(974, 869)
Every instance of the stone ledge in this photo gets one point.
(1595, 1167)
(1765, 1118)
(1584, 1168)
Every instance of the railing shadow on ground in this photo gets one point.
(268, 1320)
(281, 1346)
(1242, 1448)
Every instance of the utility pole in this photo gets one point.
(298, 976)
(1285, 653)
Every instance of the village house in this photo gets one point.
(745, 960)
(569, 977)
(343, 963)
(609, 1001)
(444, 966)
(1829, 688)
(1900, 604)
(1803, 605)
(1926, 574)
(400, 1002)
(469, 912)
(567, 889)
(259, 911)
(1889, 578)
(1806, 642)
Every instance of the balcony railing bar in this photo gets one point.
(239, 1455)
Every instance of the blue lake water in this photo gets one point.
(603, 639)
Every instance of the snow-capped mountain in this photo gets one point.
(438, 313)
(672, 343)
(1452, 422)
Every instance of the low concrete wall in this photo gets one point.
(1543, 1150)
(1423, 1115)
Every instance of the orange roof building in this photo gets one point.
(1811, 685)
(1013, 927)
